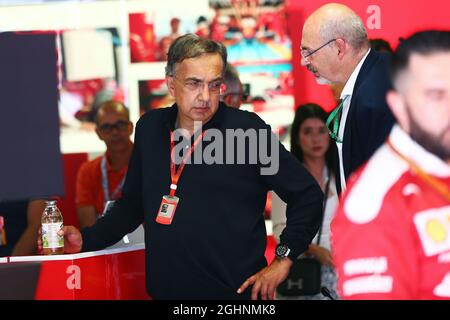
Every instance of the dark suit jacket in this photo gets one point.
(369, 119)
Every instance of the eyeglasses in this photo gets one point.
(306, 53)
(120, 125)
(195, 85)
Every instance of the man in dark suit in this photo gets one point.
(336, 49)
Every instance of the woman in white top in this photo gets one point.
(310, 144)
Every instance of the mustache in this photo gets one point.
(311, 68)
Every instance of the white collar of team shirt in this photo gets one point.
(427, 161)
(347, 91)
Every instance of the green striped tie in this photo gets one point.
(334, 117)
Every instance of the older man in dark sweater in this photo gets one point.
(197, 180)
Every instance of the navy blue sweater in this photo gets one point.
(217, 238)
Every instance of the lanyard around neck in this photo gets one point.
(105, 183)
(174, 173)
(437, 185)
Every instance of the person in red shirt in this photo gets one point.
(391, 234)
(101, 180)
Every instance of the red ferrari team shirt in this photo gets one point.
(391, 234)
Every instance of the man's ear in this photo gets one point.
(398, 107)
(342, 47)
(170, 82)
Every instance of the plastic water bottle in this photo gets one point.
(52, 222)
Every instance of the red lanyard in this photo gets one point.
(437, 185)
(175, 174)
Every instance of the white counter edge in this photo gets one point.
(3, 260)
(134, 247)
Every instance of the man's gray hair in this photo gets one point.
(349, 27)
(192, 46)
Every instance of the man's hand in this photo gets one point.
(72, 239)
(267, 280)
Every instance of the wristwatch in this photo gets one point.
(282, 251)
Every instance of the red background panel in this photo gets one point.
(71, 164)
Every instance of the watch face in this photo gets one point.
(281, 250)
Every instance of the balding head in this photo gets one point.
(114, 126)
(335, 20)
(334, 41)
(111, 107)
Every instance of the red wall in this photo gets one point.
(66, 204)
(399, 18)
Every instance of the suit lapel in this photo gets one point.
(368, 64)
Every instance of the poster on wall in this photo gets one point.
(151, 34)
(255, 33)
(87, 79)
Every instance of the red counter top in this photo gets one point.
(106, 274)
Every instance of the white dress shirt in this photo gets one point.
(347, 91)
